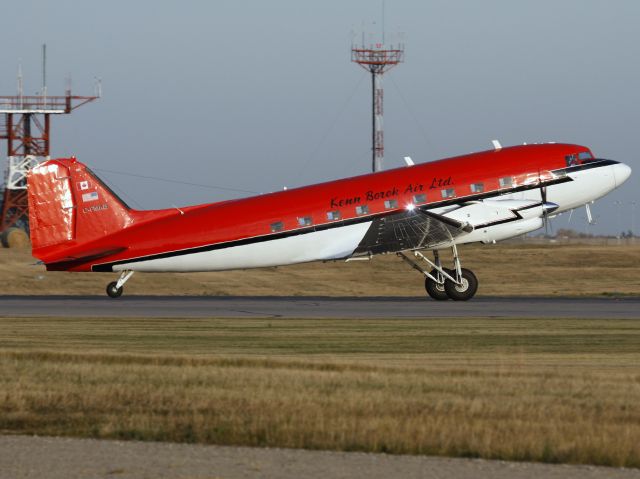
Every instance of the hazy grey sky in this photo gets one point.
(257, 95)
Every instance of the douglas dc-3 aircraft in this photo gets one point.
(79, 224)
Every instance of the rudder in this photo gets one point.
(69, 205)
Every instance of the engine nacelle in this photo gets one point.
(498, 219)
(510, 230)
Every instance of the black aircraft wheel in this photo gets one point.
(114, 292)
(434, 289)
(464, 291)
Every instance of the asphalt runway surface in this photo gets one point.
(317, 307)
(65, 458)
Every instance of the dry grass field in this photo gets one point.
(553, 390)
(503, 269)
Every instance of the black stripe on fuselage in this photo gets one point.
(517, 217)
(107, 267)
(597, 163)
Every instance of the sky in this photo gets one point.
(252, 96)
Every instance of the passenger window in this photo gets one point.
(390, 204)
(362, 210)
(305, 221)
(448, 193)
(421, 198)
(477, 187)
(506, 182)
(277, 226)
(333, 215)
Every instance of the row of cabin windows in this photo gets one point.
(505, 182)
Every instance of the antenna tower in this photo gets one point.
(377, 58)
(25, 124)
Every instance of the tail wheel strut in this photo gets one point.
(116, 288)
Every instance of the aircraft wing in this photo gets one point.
(410, 230)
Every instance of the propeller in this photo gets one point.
(548, 207)
(589, 215)
(545, 211)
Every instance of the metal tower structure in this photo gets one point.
(377, 59)
(25, 123)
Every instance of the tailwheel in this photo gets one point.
(434, 289)
(113, 291)
(466, 289)
(116, 288)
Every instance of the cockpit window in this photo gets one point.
(578, 158)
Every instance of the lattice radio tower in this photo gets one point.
(377, 58)
(25, 124)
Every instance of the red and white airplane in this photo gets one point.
(79, 224)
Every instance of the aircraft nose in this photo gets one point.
(621, 173)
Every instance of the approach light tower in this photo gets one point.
(377, 59)
(25, 124)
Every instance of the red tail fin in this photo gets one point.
(69, 206)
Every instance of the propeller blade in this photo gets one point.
(546, 223)
(589, 215)
(545, 212)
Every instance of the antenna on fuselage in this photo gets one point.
(496, 145)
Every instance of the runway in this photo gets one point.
(317, 307)
(69, 458)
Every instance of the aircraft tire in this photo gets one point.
(114, 292)
(464, 292)
(435, 290)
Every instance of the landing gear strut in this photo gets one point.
(458, 284)
(116, 288)
(434, 281)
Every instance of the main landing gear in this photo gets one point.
(116, 288)
(458, 284)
